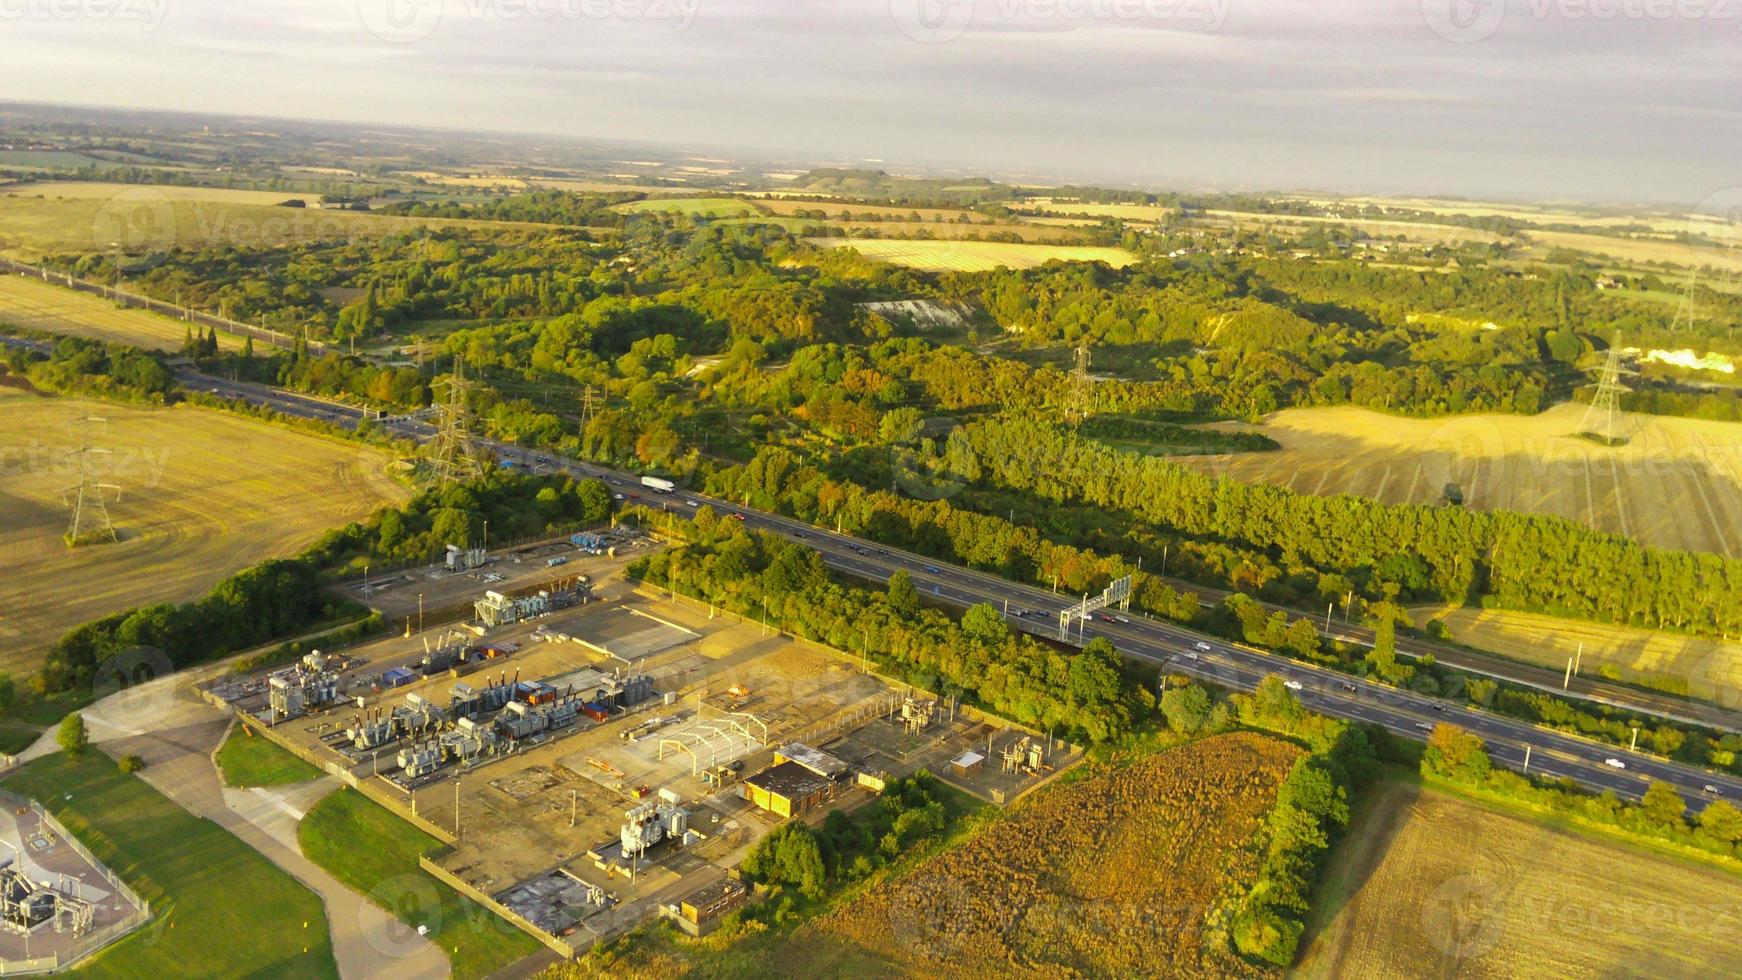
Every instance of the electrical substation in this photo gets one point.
(593, 755)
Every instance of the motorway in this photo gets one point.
(1035, 610)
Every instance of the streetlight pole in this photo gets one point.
(420, 612)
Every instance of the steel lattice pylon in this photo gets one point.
(453, 457)
(87, 497)
(1603, 417)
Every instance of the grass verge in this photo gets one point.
(248, 759)
(375, 854)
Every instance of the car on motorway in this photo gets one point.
(1424, 726)
(1202, 646)
(693, 503)
(883, 551)
(1710, 790)
(1191, 655)
(1350, 688)
(932, 569)
(616, 496)
(798, 534)
(1103, 617)
(1614, 763)
(737, 517)
(1121, 619)
(1293, 685)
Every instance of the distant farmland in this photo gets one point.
(39, 220)
(1676, 484)
(1106, 877)
(37, 305)
(1431, 885)
(203, 494)
(705, 207)
(965, 256)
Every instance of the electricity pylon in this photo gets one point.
(87, 497)
(1602, 418)
(454, 458)
(1082, 389)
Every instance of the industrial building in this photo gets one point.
(799, 780)
(701, 910)
(496, 609)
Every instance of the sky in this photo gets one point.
(1618, 100)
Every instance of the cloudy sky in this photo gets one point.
(1624, 100)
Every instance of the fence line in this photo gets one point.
(91, 941)
(135, 301)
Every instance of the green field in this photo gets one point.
(964, 256)
(247, 759)
(366, 847)
(219, 908)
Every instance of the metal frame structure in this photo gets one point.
(1117, 592)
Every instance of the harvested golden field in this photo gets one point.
(140, 218)
(1411, 230)
(1676, 484)
(1124, 212)
(203, 494)
(1645, 250)
(1539, 213)
(965, 256)
(1434, 885)
(1696, 666)
(1110, 877)
(96, 190)
(37, 305)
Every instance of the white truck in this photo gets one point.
(658, 485)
